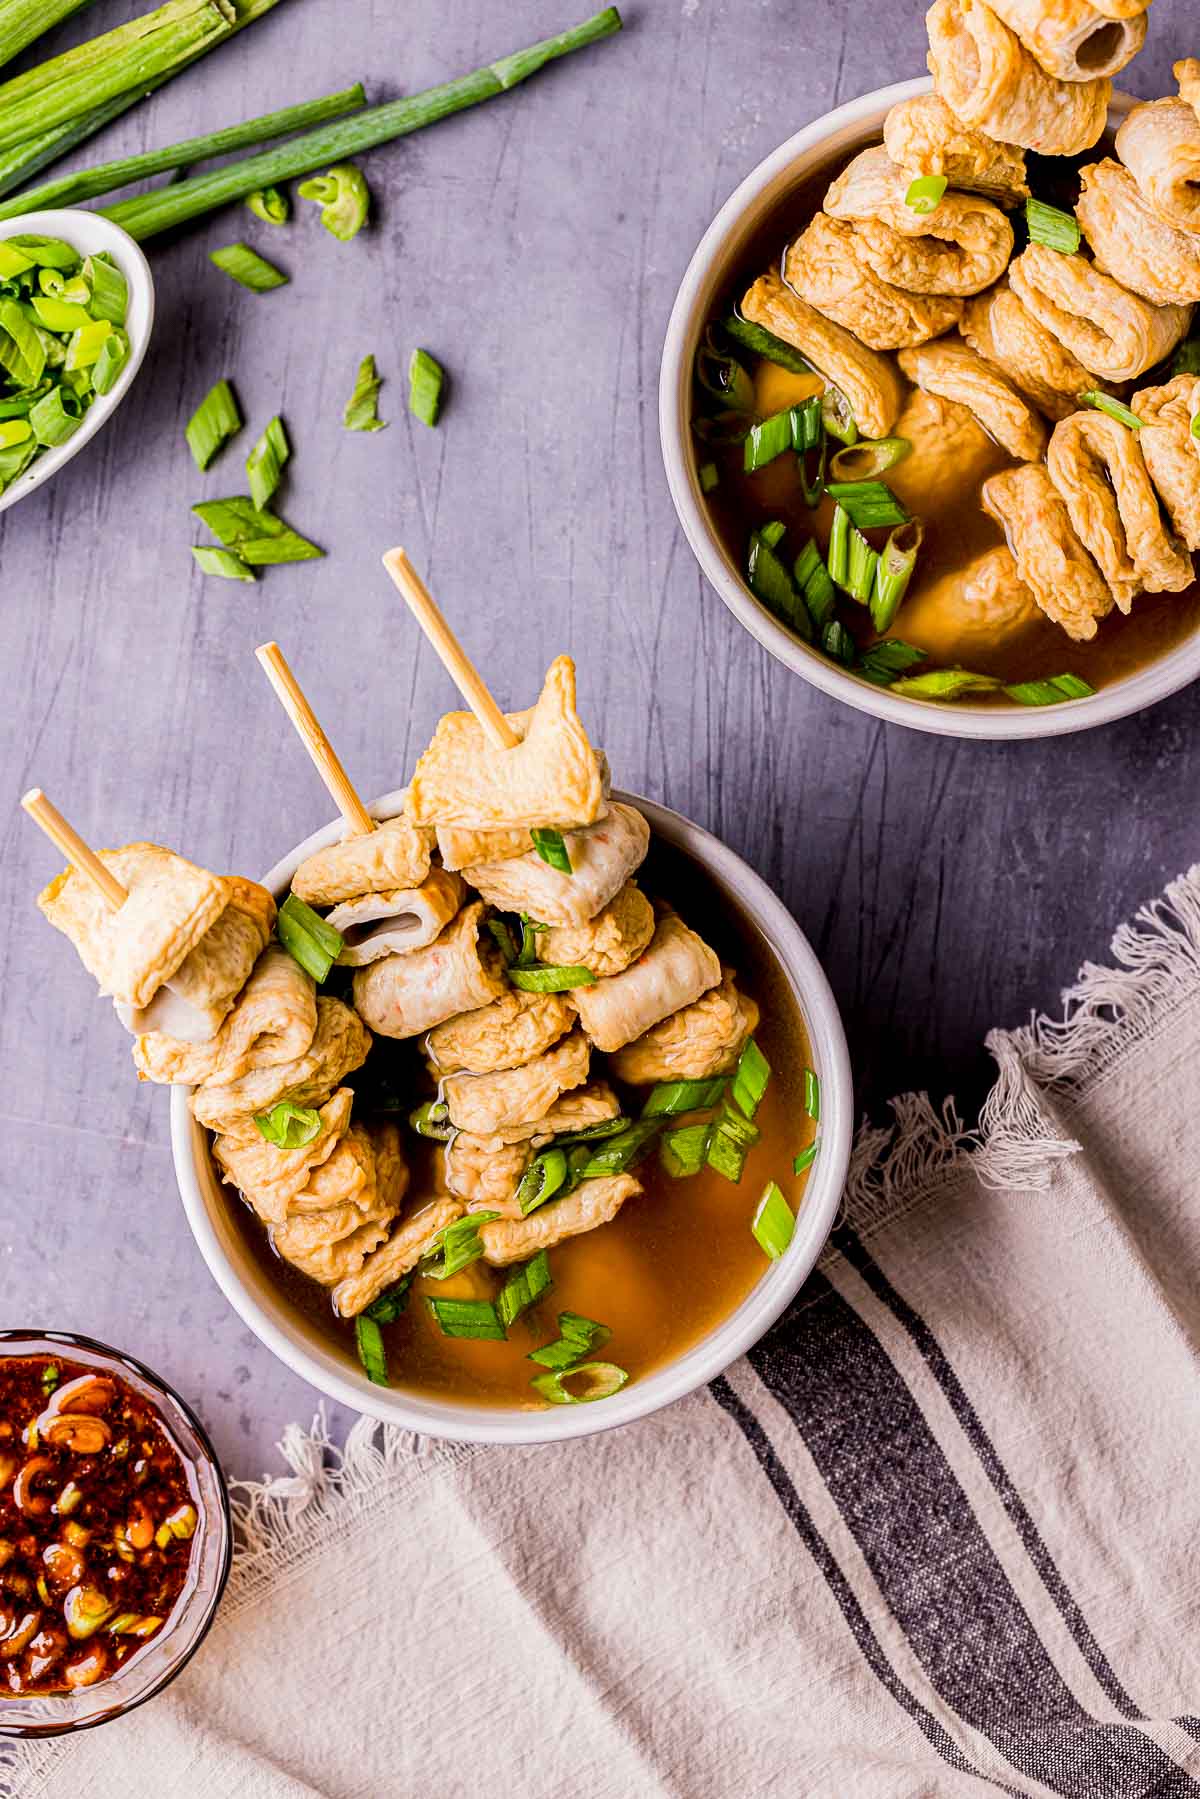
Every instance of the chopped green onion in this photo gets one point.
(17, 431)
(505, 941)
(867, 460)
(620, 1152)
(860, 570)
(773, 1223)
(812, 578)
(476, 1318)
(837, 416)
(944, 684)
(884, 661)
(552, 848)
(838, 558)
(1186, 360)
(736, 1125)
(530, 932)
(114, 354)
(308, 938)
(455, 1247)
(48, 252)
(426, 379)
(869, 503)
(669, 1098)
(925, 193)
(344, 198)
(213, 423)
(523, 1288)
(59, 315)
(807, 429)
(392, 1303)
(259, 536)
(56, 416)
(765, 343)
(709, 477)
(750, 1078)
(85, 345)
(723, 381)
(248, 268)
(577, 1337)
(1195, 425)
(683, 1151)
(812, 1093)
(1114, 409)
(264, 464)
(13, 260)
(1050, 691)
(288, 1126)
(774, 533)
(368, 1339)
(602, 1380)
(22, 349)
(270, 204)
(837, 643)
(607, 1127)
(432, 1120)
(1050, 226)
(893, 572)
(361, 412)
(551, 979)
(765, 441)
(542, 1180)
(806, 1158)
(812, 472)
(108, 289)
(768, 578)
(212, 561)
(726, 1154)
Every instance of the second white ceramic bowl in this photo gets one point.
(89, 233)
(841, 134)
(259, 1302)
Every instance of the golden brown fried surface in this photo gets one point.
(1159, 143)
(273, 1021)
(1097, 466)
(957, 373)
(870, 383)
(1103, 325)
(992, 83)
(394, 1259)
(395, 855)
(967, 613)
(960, 247)
(923, 137)
(602, 857)
(271, 1177)
(488, 1105)
(339, 1046)
(1171, 452)
(396, 923)
(1003, 330)
(829, 266)
(1051, 561)
(1071, 39)
(514, 1028)
(676, 969)
(593, 1203)
(609, 942)
(1132, 242)
(485, 1175)
(703, 1039)
(208, 980)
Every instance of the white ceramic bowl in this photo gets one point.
(841, 134)
(89, 234)
(295, 1341)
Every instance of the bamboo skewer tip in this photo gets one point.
(46, 815)
(324, 757)
(454, 659)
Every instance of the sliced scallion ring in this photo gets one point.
(669, 1098)
(248, 268)
(362, 408)
(344, 198)
(213, 423)
(750, 1079)
(945, 684)
(578, 1338)
(806, 1158)
(1049, 692)
(368, 1340)
(683, 1151)
(426, 382)
(432, 1120)
(619, 1153)
(812, 1093)
(893, 572)
(288, 1126)
(1051, 226)
(600, 1380)
(308, 938)
(773, 1223)
(271, 205)
(455, 1247)
(868, 459)
(924, 193)
(551, 847)
(551, 979)
(523, 1288)
(1105, 403)
(542, 1180)
(473, 1318)
(211, 560)
(264, 464)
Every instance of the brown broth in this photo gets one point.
(674, 1263)
(954, 535)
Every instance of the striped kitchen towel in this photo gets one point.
(935, 1537)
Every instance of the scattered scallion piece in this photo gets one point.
(455, 1247)
(85, 344)
(883, 662)
(543, 1178)
(114, 354)
(368, 1340)
(607, 1127)
(683, 1151)
(1050, 692)
(288, 1126)
(270, 204)
(812, 471)
(773, 1223)
(764, 442)
(944, 684)
(924, 193)
(709, 477)
(893, 572)
(767, 577)
(765, 343)
(868, 459)
(362, 408)
(505, 941)
(1051, 226)
(806, 1158)
(59, 315)
(726, 387)
(812, 578)
(601, 1380)
(258, 535)
(344, 198)
(578, 1338)
(426, 380)
(552, 848)
(860, 569)
(523, 1288)
(837, 643)
(750, 1079)
(530, 932)
(837, 416)
(213, 423)
(812, 1094)
(549, 978)
(619, 1153)
(838, 556)
(774, 533)
(55, 417)
(213, 561)
(392, 1302)
(670, 1098)
(1105, 403)
(264, 464)
(731, 1139)
(17, 431)
(308, 938)
(869, 504)
(108, 291)
(474, 1318)
(432, 1120)
(248, 268)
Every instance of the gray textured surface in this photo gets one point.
(535, 246)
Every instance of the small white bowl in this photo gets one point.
(841, 134)
(89, 233)
(258, 1301)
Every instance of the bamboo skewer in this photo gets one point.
(324, 756)
(455, 661)
(77, 852)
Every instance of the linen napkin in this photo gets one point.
(935, 1535)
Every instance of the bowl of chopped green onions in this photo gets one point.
(289, 1331)
(76, 311)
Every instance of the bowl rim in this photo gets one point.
(1130, 694)
(51, 1337)
(767, 1299)
(70, 222)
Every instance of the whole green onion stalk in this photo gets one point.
(148, 214)
(21, 21)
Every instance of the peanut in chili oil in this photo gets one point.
(98, 1523)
